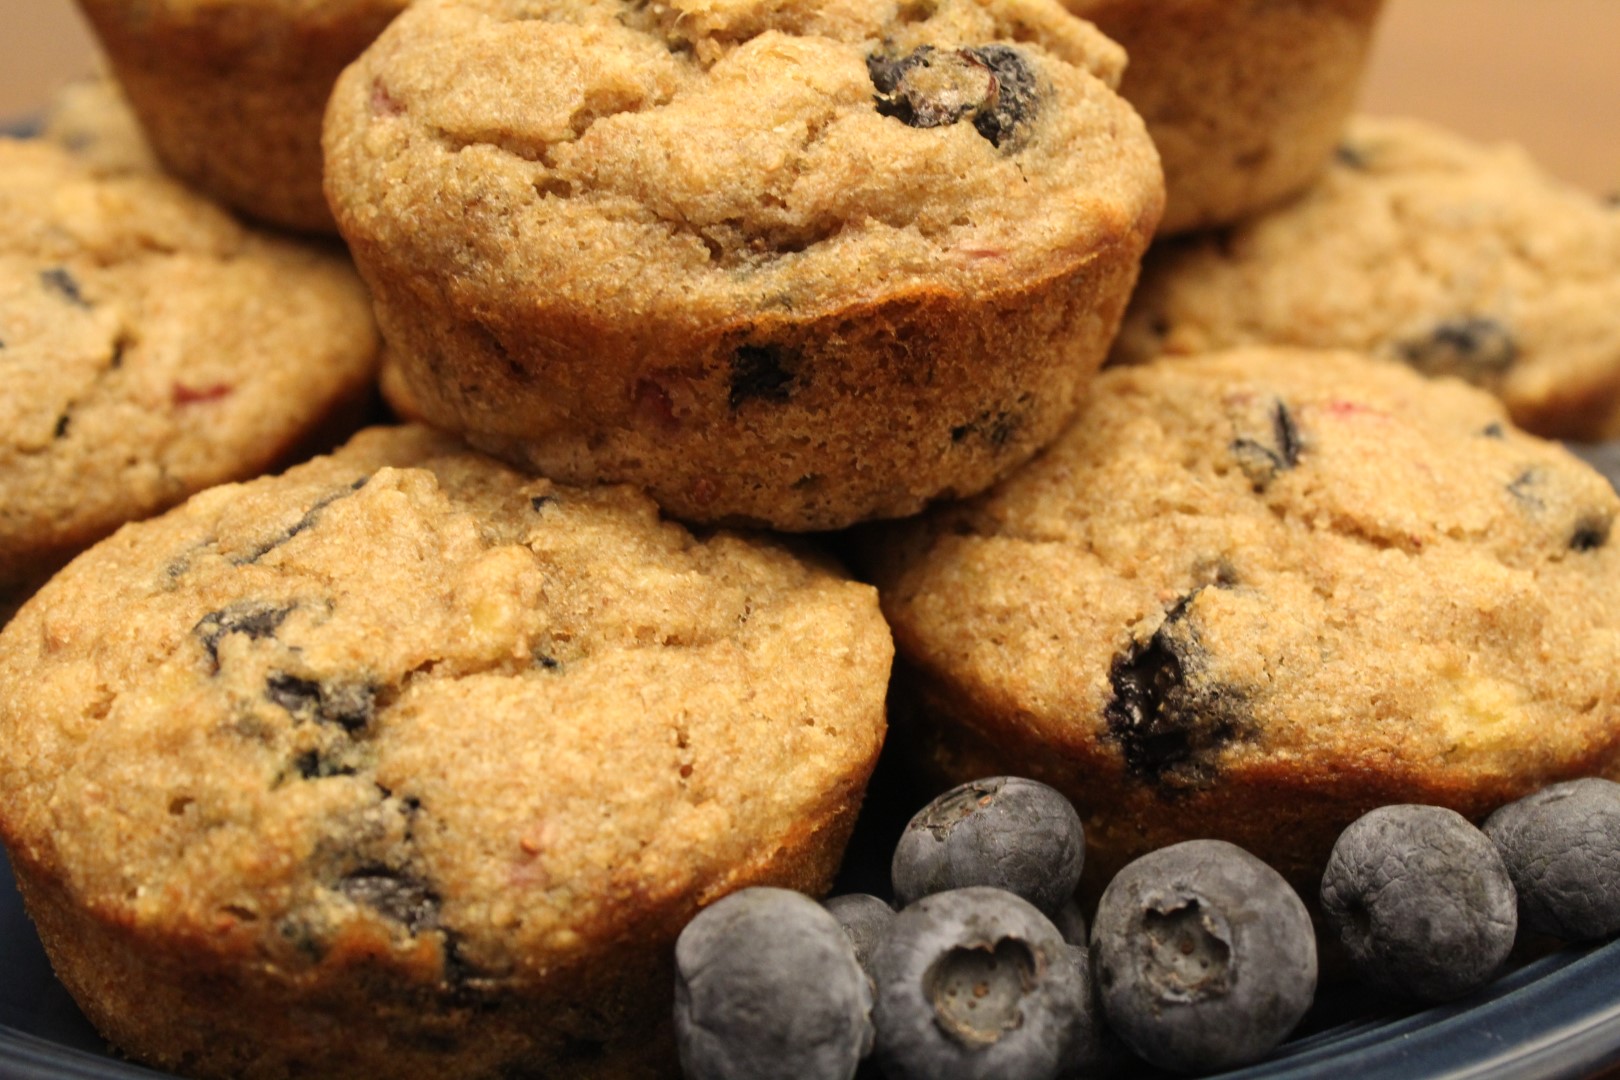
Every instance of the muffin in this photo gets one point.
(1458, 258)
(1251, 595)
(231, 92)
(789, 264)
(92, 119)
(1245, 98)
(404, 764)
(152, 346)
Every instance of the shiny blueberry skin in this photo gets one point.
(767, 985)
(976, 984)
(1421, 900)
(1561, 846)
(1205, 957)
(1004, 831)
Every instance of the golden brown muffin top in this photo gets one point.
(151, 346)
(693, 159)
(405, 704)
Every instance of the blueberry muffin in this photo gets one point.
(152, 346)
(231, 92)
(1459, 258)
(1244, 98)
(783, 263)
(405, 764)
(1254, 594)
(92, 119)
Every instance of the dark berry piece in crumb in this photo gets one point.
(350, 705)
(759, 372)
(1205, 957)
(1471, 347)
(1561, 846)
(976, 983)
(1267, 445)
(1169, 720)
(1015, 97)
(1493, 430)
(1604, 457)
(767, 985)
(255, 619)
(992, 85)
(1005, 831)
(399, 897)
(63, 284)
(1590, 534)
(1350, 156)
(1421, 900)
(865, 918)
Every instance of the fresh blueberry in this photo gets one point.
(976, 983)
(1421, 900)
(1562, 850)
(865, 918)
(1095, 1051)
(1005, 832)
(1071, 923)
(767, 985)
(1205, 956)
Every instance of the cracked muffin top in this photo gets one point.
(1457, 257)
(687, 158)
(1253, 594)
(423, 739)
(151, 346)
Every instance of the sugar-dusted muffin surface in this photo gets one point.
(151, 346)
(791, 263)
(406, 764)
(1457, 257)
(1253, 594)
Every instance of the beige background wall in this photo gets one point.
(1539, 71)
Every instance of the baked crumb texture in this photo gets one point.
(1252, 595)
(151, 346)
(1457, 257)
(1245, 99)
(780, 263)
(405, 764)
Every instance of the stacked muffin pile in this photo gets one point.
(417, 757)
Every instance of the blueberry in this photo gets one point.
(976, 983)
(760, 372)
(64, 284)
(1472, 347)
(1004, 831)
(1170, 719)
(1205, 956)
(401, 897)
(993, 86)
(1095, 1051)
(1421, 900)
(865, 919)
(1561, 846)
(1270, 449)
(1071, 923)
(767, 985)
